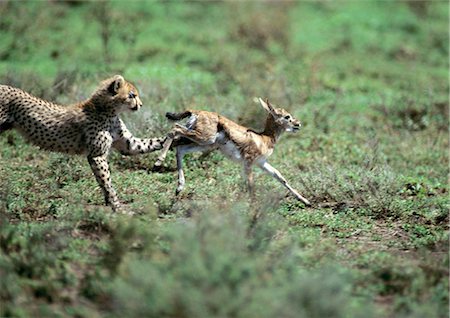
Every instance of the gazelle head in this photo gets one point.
(281, 117)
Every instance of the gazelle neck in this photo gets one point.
(272, 129)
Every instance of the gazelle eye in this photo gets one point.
(131, 94)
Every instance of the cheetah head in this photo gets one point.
(118, 94)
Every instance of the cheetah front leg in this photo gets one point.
(132, 146)
(99, 166)
(127, 144)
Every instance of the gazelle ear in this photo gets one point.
(266, 105)
(116, 84)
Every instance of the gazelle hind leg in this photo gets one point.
(181, 151)
(277, 175)
(181, 179)
(165, 149)
(179, 130)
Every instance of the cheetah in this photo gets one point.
(91, 127)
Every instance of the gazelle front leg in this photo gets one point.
(165, 149)
(277, 175)
(248, 174)
(174, 133)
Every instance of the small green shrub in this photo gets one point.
(210, 267)
(372, 189)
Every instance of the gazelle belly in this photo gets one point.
(229, 149)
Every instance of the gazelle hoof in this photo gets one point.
(157, 166)
(178, 190)
(306, 202)
(303, 200)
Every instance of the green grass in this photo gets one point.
(369, 81)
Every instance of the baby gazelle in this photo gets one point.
(206, 131)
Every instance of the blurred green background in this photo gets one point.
(368, 80)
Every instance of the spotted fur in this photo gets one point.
(91, 127)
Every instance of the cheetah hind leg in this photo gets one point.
(5, 122)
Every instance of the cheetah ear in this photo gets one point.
(116, 84)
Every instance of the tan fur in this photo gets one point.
(207, 131)
(91, 127)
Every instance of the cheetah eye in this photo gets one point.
(131, 94)
(287, 117)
